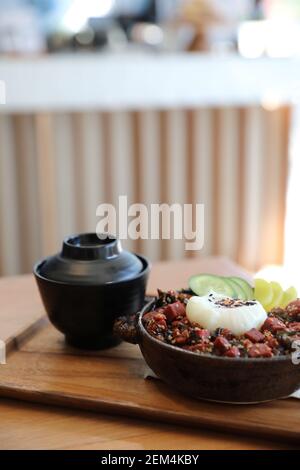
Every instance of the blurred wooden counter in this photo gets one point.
(149, 81)
(29, 426)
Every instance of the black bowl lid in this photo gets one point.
(88, 259)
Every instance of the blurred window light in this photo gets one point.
(252, 39)
(272, 100)
(149, 34)
(274, 38)
(81, 10)
(282, 38)
(282, 8)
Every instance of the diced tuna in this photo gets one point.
(227, 333)
(233, 352)
(172, 311)
(293, 309)
(295, 326)
(148, 317)
(221, 344)
(182, 338)
(247, 344)
(260, 350)
(202, 333)
(255, 336)
(273, 324)
(270, 340)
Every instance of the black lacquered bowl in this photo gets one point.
(88, 285)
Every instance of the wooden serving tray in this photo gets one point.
(44, 369)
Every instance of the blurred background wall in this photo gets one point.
(164, 101)
(57, 167)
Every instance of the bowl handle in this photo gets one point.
(126, 328)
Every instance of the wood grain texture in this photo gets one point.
(175, 274)
(32, 426)
(37, 369)
(43, 369)
(20, 307)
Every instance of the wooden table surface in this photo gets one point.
(29, 426)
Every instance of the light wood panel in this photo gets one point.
(10, 229)
(56, 168)
(150, 178)
(229, 186)
(26, 188)
(46, 182)
(203, 173)
(253, 170)
(65, 180)
(90, 171)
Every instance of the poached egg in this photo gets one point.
(214, 311)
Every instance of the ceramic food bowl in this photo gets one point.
(88, 285)
(209, 377)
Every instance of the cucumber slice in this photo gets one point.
(241, 294)
(202, 284)
(249, 291)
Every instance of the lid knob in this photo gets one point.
(88, 246)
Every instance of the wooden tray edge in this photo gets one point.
(149, 414)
